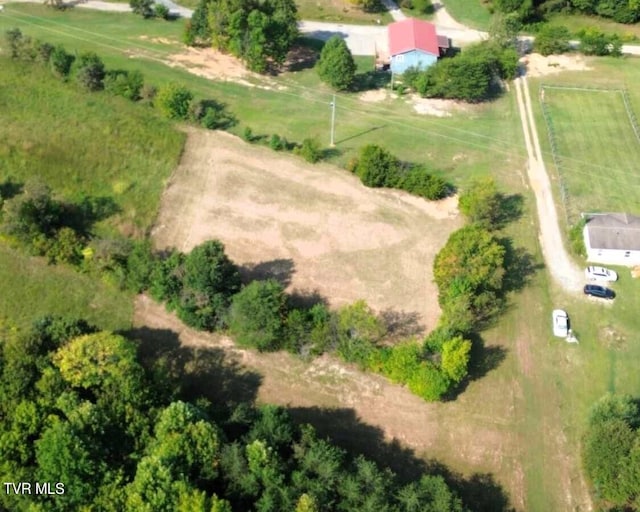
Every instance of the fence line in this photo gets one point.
(585, 88)
(632, 116)
(557, 162)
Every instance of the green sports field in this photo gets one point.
(597, 148)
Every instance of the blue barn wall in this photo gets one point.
(416, 58)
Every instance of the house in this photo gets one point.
(414, 43)
(612, 238)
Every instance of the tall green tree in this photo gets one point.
(257, 313)
(209, 280)
(336, 65)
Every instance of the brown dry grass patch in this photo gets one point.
(315, 227)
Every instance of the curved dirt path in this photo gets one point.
(560, 266)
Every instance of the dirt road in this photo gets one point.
(560, 266)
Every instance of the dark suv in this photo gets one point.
(599, 291)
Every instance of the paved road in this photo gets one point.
(561, 267)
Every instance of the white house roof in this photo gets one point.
(618, 231)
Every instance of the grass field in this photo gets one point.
(473, 13)
(463, 145)
(597, 146)
(31, 288)
(83, 144)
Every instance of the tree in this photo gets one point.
(552, 39)
(336, 65)
(260, 33)
(90, 71)
(173, 100)
(209, 279)
(480, 202)
(256, 316)
(455, 358)
(63, 456)
(470, 265)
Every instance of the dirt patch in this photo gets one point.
(374, 96)
(437, 107)
(338, 238)
(212, 64)
(160, 40)
(539, 65)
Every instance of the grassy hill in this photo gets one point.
(80, 145)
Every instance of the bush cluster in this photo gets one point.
(596, 42)
(377, 167)
(173, 100)
(469, 76)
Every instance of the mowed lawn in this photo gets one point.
(473, 13)
(598, 149)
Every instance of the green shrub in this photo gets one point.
(65, 247)
(310, 150)
(420, 182)
(278, 143)
(161, 11)
(127, 84)
(576, 238)
(61, 61)
(90, 71)
(552, 39)
(247, 134)
(377, 167)
(174, 100)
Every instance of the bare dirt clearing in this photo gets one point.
(316, 228)
(539, 65)
(438, 107)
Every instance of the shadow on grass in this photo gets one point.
(482, 360)
(198, 372)
(520, 266)
(510, 209)
(480, 491)
(371, 80)
(401, 324)
(351, 137)
(281, 270)
(10, 188)
(306, 299)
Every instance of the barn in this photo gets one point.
(612, 238)
(414, 43)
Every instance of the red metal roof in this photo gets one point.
(412, 34)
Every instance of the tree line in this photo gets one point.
(621, 11)
(258, 32)
(79, 407)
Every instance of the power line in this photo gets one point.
(509, 150)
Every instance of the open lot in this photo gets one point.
(597, 146)
(316, 227)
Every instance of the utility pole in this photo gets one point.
(333, 120)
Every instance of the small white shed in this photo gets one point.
(612, 238)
